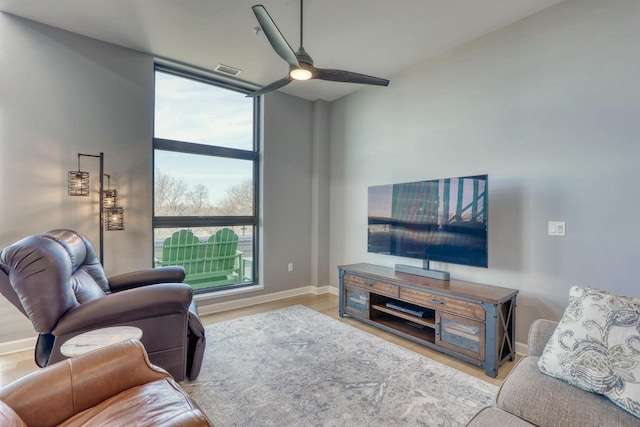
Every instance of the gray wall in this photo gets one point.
(549, 108)
(320, 192)
(61, 94)
(286, 186)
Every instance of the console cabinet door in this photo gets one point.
(461, 335)
(356, 301)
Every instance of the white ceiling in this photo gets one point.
(375, 37)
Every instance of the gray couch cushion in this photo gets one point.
(547, 401)
(541, 331)
(496, 417)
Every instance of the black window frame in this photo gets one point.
(220, 152)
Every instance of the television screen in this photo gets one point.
(442, 220)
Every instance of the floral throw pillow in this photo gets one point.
(596, 346)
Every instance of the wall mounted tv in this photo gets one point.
(442, 220)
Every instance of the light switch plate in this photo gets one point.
(557, 228)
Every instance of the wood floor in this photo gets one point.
(16, 365)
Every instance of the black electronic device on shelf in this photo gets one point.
(405, 307)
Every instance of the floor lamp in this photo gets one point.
(78, 185)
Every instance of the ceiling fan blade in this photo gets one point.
(275, 37)
(347, 77)
(271, 87)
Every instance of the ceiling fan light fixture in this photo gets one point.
(300, 63)
(300, 74)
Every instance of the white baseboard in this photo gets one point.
(522, 349)
(10, 347)
(204, 308)
(327, 290)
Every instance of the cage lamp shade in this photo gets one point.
(110, 199)
(114, 218)
(78, 183)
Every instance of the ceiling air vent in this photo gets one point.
(228, 70)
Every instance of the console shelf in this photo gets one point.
(471, 321)
(417, 332)
(415, 319)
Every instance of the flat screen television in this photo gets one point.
(442, 220)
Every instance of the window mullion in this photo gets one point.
(207, 150)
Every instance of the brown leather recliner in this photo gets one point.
(56, 280)
(113, 386)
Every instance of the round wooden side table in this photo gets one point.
(98, 338)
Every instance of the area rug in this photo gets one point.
(298, 367)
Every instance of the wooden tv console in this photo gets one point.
(470, 321)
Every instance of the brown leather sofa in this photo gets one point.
(56, 280)
(113, 386)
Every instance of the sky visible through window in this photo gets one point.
(191, 111)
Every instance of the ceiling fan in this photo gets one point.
(300, 63)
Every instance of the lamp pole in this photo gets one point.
(101, 209)
(101, 157)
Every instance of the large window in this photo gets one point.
(205, 180)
